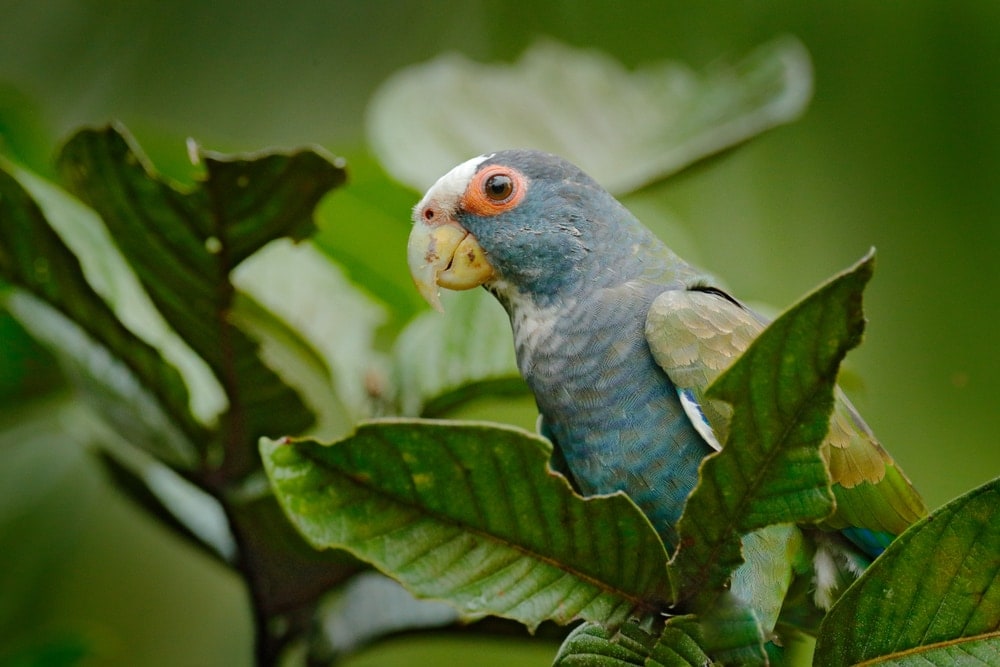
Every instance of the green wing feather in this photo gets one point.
(695, 335)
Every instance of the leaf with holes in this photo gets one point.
(470, 513)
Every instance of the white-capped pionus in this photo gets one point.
(618, 338)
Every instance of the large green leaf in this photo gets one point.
(183, 244)
(770, 470)
(469, 513)
(625, 128)
(933, 597)
(128, 379)
(110, 275)
(167, 310)
(981, 651)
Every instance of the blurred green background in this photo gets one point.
(899, 149)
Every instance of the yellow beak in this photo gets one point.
(445, 255)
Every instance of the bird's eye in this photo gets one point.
(494, 190)
(498, 188)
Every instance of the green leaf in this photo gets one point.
(625, 128)
(314, 327)
(732, 633)
(110, 275)
(130, 382)
(175, 502)
(676, 644)
(976, 652)
(770, 470)
(439, 364)
(934, 593)
(593, 645)
(183, 244)
(469, 513)
(115, 318)
(27, 369)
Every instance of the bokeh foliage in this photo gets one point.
(898, 150)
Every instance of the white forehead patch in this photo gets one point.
(449, 188)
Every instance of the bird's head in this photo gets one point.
(513, 220)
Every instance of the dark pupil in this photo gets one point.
(499, 187)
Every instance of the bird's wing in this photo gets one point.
(696, 334)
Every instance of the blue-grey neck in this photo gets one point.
(605, 402)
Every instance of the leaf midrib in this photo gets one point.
(638, 603)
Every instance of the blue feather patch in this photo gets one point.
(872, 542)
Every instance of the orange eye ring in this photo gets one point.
(494, 190)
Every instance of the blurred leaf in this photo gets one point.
(106, 384)
(371, 606)
(286, 576)
(365, 225)
(110, 276)
(175, 502)
(132, 383)
(470, 514)
(281, 348)
(933, 596)
(27, 370)
(626, 129)
(770, 470)
(443, 359)
(315, 328)
(184, 244)
(178, 250)
(676, 645)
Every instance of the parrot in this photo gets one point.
(618, 338)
